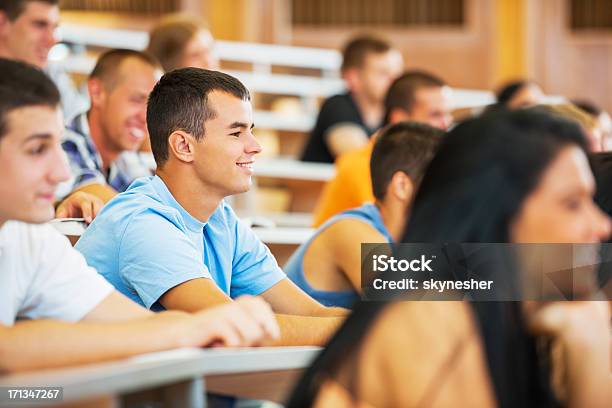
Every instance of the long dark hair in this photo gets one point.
(601, 164)
(472, 190)
(482, 173)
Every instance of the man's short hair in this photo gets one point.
(179, 101)
(569, 112)
(588, 107)
(168, 39)
(14, 8)
(402, 92)
(109, 63)
(356, 50)
(407, 147)
(23, 85)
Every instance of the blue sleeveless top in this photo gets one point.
(367, 213)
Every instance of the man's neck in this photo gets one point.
(96, 132)
(7, 54)
(189, 193)
(371, 112)
(394, 216)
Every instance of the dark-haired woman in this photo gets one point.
(519, 177)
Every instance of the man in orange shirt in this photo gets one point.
(416, 96)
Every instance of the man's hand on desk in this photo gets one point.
(79, 205)
(249, 321)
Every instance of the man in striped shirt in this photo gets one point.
(100, 143)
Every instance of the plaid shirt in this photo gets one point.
(86, 162)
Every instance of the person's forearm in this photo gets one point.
(306, 330)
(102, 191)
(334, 312)
(589, 376)
(47, 343)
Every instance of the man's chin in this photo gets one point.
(40, 63)
(40, 216)
(242, 189)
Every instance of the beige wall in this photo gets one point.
(567, 63)
(461, 56)
(502, 39)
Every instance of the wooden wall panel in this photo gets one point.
(565, 62)
(462, 56)
(389, 12)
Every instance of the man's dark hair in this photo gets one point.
(407, 147)
(109, 63)
(14, 8)
(179, 101)
(509, 90)
(402, 92)
(23, 85)
(589, 107)
(355, 51)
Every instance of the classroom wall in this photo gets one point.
(460, 55)
(488, 50)
(500, 40)
(575, 64)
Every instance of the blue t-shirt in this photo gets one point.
(145, 243)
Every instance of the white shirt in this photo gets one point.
(43, 277)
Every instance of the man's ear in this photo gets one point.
(398, 115)
(401, 187)
(181, 145)
(351, 77)
(97, 92)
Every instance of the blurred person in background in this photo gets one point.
(346, 121)
(516, 95)
(113, 127)
(604, 122)
(27, 33)
(328, 265)
(416, 96)
(587, 123)
(181, 41)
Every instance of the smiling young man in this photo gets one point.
(176, 243)
(119, 86)
(27, 33)
(54, 309)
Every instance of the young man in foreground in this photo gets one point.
(54, 309)
(170, 241)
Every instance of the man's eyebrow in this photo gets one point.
(43, 136)
(42, 21)
(241, 125)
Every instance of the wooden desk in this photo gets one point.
(178, 377)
